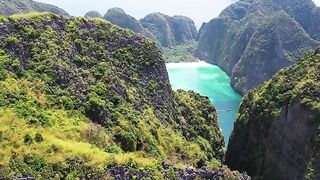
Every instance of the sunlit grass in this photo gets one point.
(28, 15)
(64, 135)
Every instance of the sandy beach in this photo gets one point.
(188, 64)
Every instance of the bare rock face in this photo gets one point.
(314, 26)
(283, 146)
(168, 30)
(276, 135)
(120, 172)
(158, 25)
(253, 39)
(10, 7)
(119, 17)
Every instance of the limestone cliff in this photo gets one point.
(253, 39)
(168, 30)
(119, 17)
(164, 30)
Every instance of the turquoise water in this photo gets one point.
(211, 81)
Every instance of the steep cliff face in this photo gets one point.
(164, 30)
(93, 14)
(79, 96)
(253, 39)
(9, 7)
(119, 17)
(160, 27)
(315, 24)
(168, 30)
(276, 135)
(184, 29)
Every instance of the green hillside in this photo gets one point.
(79, 96)
(10, 7)
(277, 130)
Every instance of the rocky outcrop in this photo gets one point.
(253, 39)
(168, 30)
(276, 135)
(10, 7)
(93, 14)
(171, 172)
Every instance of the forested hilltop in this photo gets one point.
(276, 135)
(10, 7)
(80, 97)
(254, 39)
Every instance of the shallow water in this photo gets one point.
(211, 81)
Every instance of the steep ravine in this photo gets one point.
(276, 135)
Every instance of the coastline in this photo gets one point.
(200, 63)
(208, 80)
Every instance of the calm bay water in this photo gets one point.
(211, 81)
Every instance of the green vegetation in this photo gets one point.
(79, 96)
(283, 112)
(181, 53)
(200, 119)
(298, 83)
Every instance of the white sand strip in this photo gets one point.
(188, 64)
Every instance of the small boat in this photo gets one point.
(225, 110)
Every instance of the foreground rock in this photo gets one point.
(78, 95)
(125, 173)
(276, 135)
